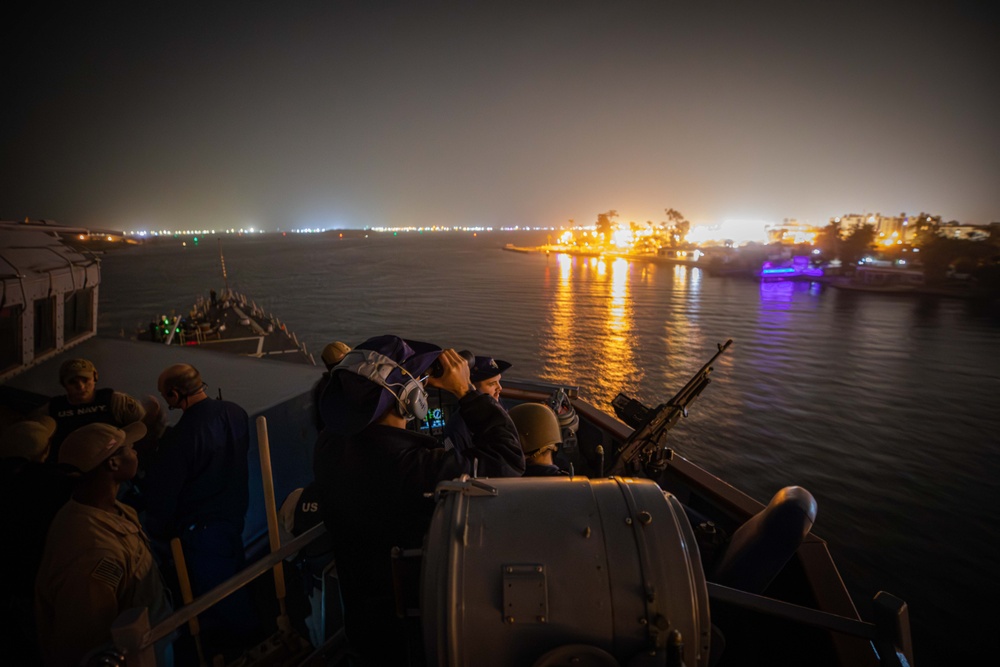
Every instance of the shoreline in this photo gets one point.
(656, 259)
(838, 282)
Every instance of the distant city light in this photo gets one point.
(622, 238)
(388, 229)
(739, 232)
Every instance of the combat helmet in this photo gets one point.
(537, 427)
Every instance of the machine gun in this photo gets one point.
(643, 451)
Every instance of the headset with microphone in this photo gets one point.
(181, 395)
(410, 395)
(183, 386)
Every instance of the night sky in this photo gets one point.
(148, 115)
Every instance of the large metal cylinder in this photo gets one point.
(535, 571)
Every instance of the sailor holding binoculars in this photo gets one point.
(376, 476)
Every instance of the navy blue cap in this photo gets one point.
(487, 367)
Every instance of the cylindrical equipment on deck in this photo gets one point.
(525, 571)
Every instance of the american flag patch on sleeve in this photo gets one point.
(109, 572)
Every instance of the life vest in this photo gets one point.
(70, 417)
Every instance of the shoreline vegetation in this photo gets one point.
(948, 267)
(746, 264)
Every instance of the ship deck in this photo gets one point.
(232, 324)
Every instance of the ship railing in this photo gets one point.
(131, 632)
(889, 634)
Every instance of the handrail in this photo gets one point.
(230, 586)
(890, 633)
(792, 612)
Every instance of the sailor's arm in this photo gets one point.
(495, 442)
(83, 606)
(455, 374)
(494, 438)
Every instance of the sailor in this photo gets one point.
(84, 404)
(485, 375)
(314, 563)
(197, 489)
(97, 561)
(31, 492)
(332, 355)
(376, 477)
(540, 435)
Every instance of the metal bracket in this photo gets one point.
(525, 594)
(465, 485)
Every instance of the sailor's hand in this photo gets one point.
(455, 375)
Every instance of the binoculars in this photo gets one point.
(436, 370)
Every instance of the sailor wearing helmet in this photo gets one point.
(538, 429)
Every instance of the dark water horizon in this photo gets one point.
(884, 407)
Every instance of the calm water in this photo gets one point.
(886, 408)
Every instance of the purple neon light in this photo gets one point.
(800, 267)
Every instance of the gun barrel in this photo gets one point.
(698, 377)
(649, 435)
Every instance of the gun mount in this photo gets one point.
(643, 451)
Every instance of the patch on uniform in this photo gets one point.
(109, 572)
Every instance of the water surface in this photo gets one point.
(885, 407)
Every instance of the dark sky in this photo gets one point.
(304, 114)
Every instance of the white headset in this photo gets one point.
(410, 395)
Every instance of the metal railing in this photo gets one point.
(132, 633)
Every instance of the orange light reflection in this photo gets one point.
(618, 368)
(557, 346)
(600, 286)
(680, 277)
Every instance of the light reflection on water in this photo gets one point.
(615, 341)
(561, 330)
(885, 408)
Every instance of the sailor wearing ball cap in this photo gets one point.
(83, 403)
(376, 476)
(486, 373)
(28, 439)
(97, 561)
(31, 492)
(485, 376)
